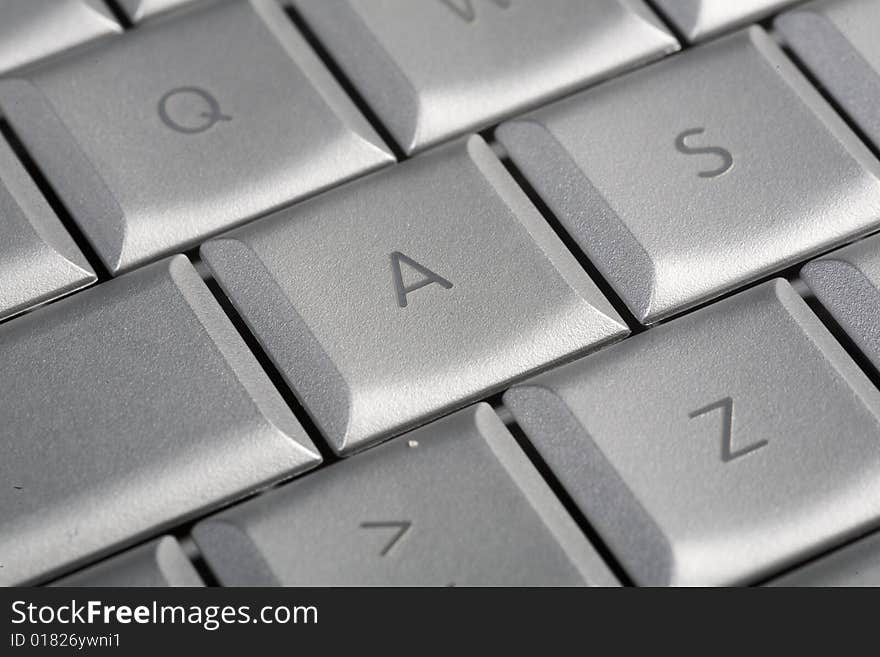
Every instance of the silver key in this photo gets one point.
(717, 448)
(701, 19)
(681, 187)
(161, 562)
(138, 10)
(125, 408)
(408, 294)
(857, 564)
(33, 29)
(847, 283)
(222, 114)
(432, 69)
(454, 503)
(839, 43)
(38, 259)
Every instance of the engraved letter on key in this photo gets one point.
(726, 158)
(726, 407)
(465, 8)
(200, 109)
(402, 289)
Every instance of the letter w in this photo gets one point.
(465, 8)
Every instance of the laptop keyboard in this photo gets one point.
(439, 292)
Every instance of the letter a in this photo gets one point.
(402, 290)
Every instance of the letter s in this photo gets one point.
(16, 609)
(723, 153)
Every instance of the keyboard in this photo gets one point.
(439, 292)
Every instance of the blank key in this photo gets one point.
(133, 405)
(716, 449)
(182, 128)
(38, 259)
(455, 503)
(432, 69)
(838, 42)
(410, 293)
(688, 178)
(847, 283)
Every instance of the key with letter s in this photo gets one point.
(693, 176)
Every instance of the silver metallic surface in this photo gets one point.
(38, 259)
(133, 405)
(701, 19)
(691, 177)
(717, 448)
(857, 564)
(839, 42)
(432, 69)
(138, 10)
(847, 283)
(33, 29)
(453, 503)
(409, 293)
(158, 563)
(185, 127)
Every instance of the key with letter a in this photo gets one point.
(395, 299)
(717, 448)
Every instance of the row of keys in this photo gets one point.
(765, 425)
(749, 450)
(433, 69)
(725, 195)
(455, 503)
(574, 314)
(223, 114)
(585, 40)
(32, 30)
